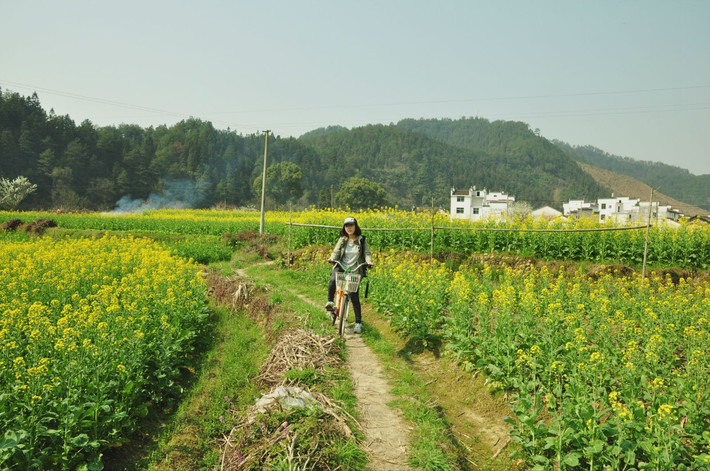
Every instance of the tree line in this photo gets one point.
(411, 163)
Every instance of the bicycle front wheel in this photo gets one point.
(343, 315)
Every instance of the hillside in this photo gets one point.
(413, 165)
(513, 146)
(674, 181)
(623, 185)
(89, 167)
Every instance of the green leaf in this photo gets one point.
(571, 459)
(10, 441)
(630, 457)
(596, 447)
(80, 440)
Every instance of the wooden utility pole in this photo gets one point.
(431, 246)
(645, 244)
(263, 184)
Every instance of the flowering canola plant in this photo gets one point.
(686, 246)
(608, 372)
(91, 335)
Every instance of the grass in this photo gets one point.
(188, 438)
(444, 436)
(440, 410)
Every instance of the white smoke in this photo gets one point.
(176, 194)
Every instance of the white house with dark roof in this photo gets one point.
(477, 204)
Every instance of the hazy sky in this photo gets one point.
(629, 77)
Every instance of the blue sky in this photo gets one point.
(629, 77)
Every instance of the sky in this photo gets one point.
(629, 77)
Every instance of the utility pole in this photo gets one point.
(263, 184)
(645, 243)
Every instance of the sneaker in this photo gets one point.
(358, 328)
(330, 306)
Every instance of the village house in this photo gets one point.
(477, 204)
(621, 210)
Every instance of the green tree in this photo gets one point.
(361, 193)
(63, 194)
(102, 193)
(283, 182)
(323, 198)
(12, 192)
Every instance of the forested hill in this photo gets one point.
(414, 166)
(523, 156)
(85, 166)
(674, 181)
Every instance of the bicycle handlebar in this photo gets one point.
(334, 262)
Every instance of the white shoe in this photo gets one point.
(330, 306)
(358, 328)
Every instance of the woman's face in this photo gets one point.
(350, 229)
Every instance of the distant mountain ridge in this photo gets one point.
(673, 181)
(623, 185)
(417, 162)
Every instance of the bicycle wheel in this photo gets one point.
(344, 310)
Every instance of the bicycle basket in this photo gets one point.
(351, 281)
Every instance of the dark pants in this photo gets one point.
(354, 297)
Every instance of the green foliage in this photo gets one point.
(95, 333)
(606, 372)
(361, 193)
(85, 166)
(512, 158)
(283, 182)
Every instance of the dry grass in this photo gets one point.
(299, 349)
(273, 429)
(624, 185)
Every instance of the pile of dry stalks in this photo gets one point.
(273, 432)
(297, 350)
(290, 425)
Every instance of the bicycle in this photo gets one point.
(346, 282)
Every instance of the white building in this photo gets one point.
(616, 209)
(621, 210)
(575, 205)
(476, 204)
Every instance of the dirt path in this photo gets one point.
(385, 431)
(384, 428)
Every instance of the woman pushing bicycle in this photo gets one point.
(350, 253)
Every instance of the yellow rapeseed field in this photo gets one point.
(92, 331)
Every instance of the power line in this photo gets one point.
(402, 103)
(102, 101)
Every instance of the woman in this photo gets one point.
(351, 251)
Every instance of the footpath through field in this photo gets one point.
(384, 428)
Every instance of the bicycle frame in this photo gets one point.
(342, 292)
